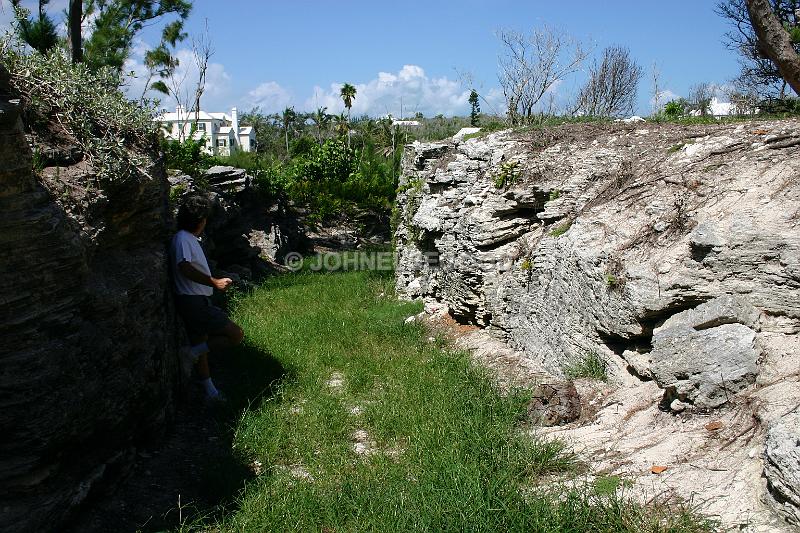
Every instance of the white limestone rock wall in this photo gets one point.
(596, 238)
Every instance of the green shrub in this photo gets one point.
(113, 133)
(508, 174)
(187, 156)
(675, 108)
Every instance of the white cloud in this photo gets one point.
(383, 95)
(217, 93)
(664, 97)
(270, 97)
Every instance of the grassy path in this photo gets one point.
(375, 428)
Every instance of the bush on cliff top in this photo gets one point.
(111, 131)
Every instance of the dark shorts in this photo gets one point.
(199, 315)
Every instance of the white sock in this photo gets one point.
(198, 350)
(208, 385)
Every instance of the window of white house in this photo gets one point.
(201, 126)
(222, 142)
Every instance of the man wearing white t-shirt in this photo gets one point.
(208, 327)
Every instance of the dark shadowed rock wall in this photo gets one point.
(87, 332)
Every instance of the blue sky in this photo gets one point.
(278, 53)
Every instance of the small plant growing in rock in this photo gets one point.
(176, 193)
(509, 173)
(614, 276)
(675, 148)
(561, 229)
(555, 194)
(526, 265)
(112, 132)
(591, 366)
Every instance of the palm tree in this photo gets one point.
(321, 119)
(341, 125)
(348, 94)
(287, 119)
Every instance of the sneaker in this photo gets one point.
(187, 360)
(216, 399)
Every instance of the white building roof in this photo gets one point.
(174, 116)
(245, 130)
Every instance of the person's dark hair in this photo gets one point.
(192, 212)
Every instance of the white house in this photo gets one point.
(220, 131)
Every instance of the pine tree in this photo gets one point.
(40, 32)
(474, 115)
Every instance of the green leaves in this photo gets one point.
(117, 22)
(111, 131)
(40, 33)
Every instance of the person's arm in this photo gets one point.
(188, 271)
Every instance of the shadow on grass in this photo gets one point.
(194, 471)
(250, 376)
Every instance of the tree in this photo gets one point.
(288, 117)
(700, 96)
(530, 65)
(75, 20)
(348, 94)
(202, 51)
(39, 33)
(341, 125)
(474, 114)
(321, 120)
(612, 86)
(759, 74)
(775, 42)
(117, 22)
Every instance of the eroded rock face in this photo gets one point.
(88, 334)
(704, 356)
(247, 235)
(586, 238)
(782, 467)
(670, 251)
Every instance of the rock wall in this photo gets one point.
(672, 252)
(248, 235)
(87, 358)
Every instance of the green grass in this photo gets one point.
(449, 454)
(590, 366)
(561, 229)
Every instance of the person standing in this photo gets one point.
(208, 327)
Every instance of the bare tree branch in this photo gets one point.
(530, 65)
(612, 86)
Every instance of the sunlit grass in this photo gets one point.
(443, 448)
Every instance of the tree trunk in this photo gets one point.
(774, 41)
(75, 40)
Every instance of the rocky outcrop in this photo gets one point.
(88, 336)
(248, 235)
(673, 252)
(782, 467)
(585, 239)
(705, 355)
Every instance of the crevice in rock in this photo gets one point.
(700, 251)
(618, 344)
(495, 244)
